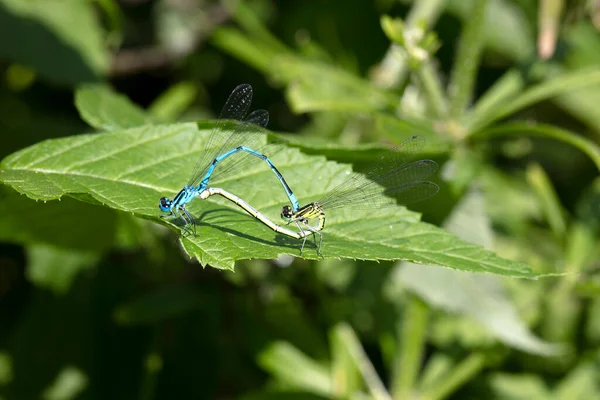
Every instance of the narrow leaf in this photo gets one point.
(173, 102)
(345, 374)
(502, 91)
(376, 387)
(519, 129)
(549, 200)
(296, 369)
(543, 91)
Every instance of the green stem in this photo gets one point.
(412, 343)
(502, 91)
(460, 374)
(432, 88)
(376, 387)
(425, 13)
(464, 73)
(549, 201)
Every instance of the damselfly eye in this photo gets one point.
(163, 204)
(286, 212)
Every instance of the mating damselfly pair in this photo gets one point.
(393, 180)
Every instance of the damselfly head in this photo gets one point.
(286, 213)
(164, 204)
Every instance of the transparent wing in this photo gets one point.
(391, 176)
(236, 107)
(249, 133)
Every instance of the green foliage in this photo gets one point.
(103, 109)
(64, 39)
(103, 299)
(97, 168)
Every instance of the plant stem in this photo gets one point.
(460, 374)
(412, 342)
(376, 387)
(432, 88)
(464, 72)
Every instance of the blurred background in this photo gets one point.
(506, 93)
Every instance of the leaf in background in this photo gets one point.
(548, 199)
(250, 19)
(519, 129)
(61, 39)
(519, 387)
(315, 86)
(438, 367)
(237, 43)
(295, 369)
(480, 297)
(312, 85)
(103, 109)
(366, 154)
(582, 104)
(467, 59)
(559, 85)
(69, 383)
(345, 373)
(507, 29)
(130, 170)
(510, 201)
(54, 268)
(337, 274)
(592, 324)
(507, 87)
(579, 101)
(358, 357)
(66, 224)
(174, 101)
(580, 384)
(584, 52)
(6, 368)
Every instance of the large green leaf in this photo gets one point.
(130, 170)
(61, 39)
